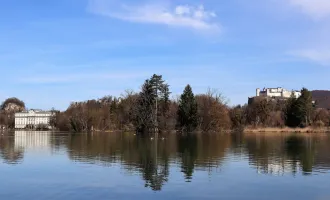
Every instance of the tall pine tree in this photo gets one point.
(291, 119)
(304, 107)
(161, 102)
(299, 111)
(153, 104)
(144, 113)
(187, 111)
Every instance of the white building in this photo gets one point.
(32, 118)
(277, 92)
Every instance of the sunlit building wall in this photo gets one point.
(32, 118)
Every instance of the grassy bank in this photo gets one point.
(287, 129)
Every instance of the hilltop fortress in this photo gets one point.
(277, 93)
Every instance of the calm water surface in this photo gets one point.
(42, 165)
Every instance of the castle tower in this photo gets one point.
(258, 92)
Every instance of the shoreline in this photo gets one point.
(243, 130)
(287, 130)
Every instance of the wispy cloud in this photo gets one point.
(193, 17)
(319, 56)
(317, 9)
(315, 39)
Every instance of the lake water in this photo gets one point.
(42, 165)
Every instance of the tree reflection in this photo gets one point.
(8, 152)
(237, 142)
(275, 154)
(204, 152)
(152, 161)
(279, 154)
(187, 147)
(265, 152)
(301, 150)
(148, 157)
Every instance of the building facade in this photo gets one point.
(277, 93)
(32, 119)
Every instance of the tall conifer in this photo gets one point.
(187, 111)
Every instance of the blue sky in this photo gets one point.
(56, 52)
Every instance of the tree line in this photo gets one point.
(152, 110)
(271, 112)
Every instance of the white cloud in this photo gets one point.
(317, 9)
(319, 56)
(182, 10)
(197, 18)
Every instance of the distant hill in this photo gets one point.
(321, 98)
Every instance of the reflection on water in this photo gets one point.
(280, 154)
(152, 160)
(8, 152)
(13, 145)
(32, 140)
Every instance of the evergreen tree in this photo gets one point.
(157, 83)
(144, 108)
(291, 119)
(161, 92)
(161, 101)
(299, 111)
(165, 99)
(187, 111)
(164, 108)
(304, 107)
(153, 104)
